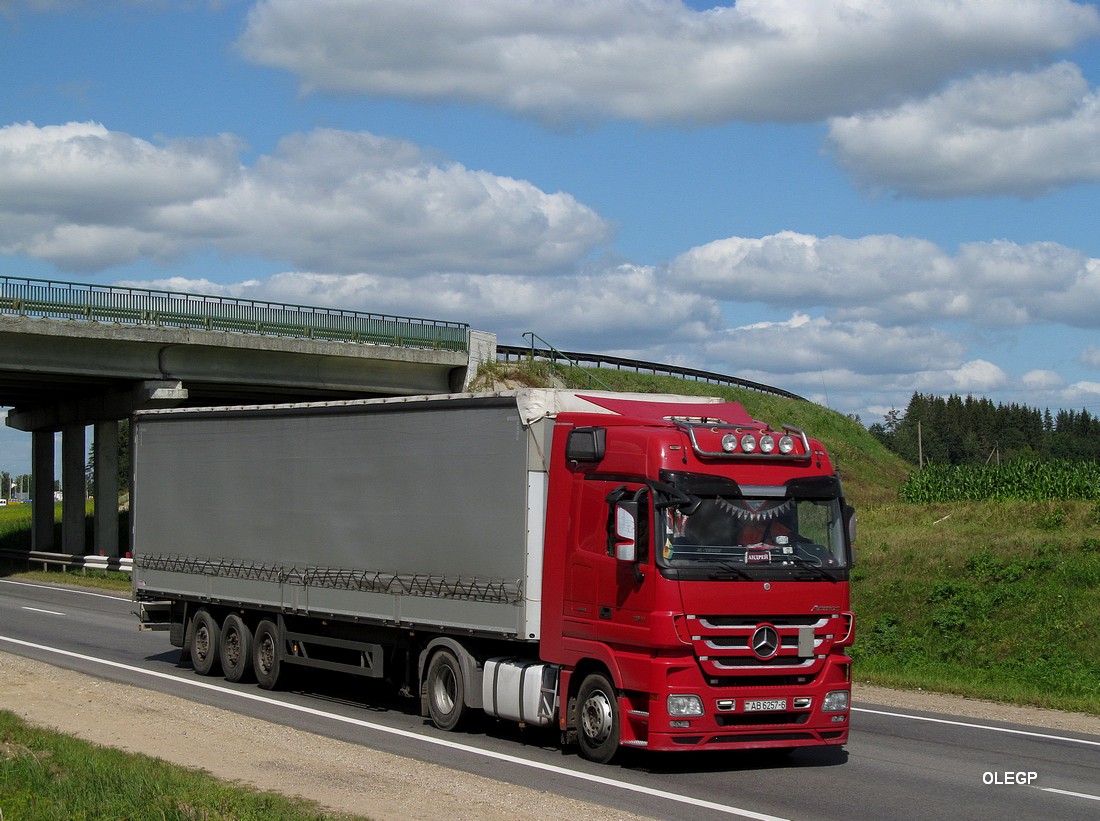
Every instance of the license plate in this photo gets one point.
(765, 705)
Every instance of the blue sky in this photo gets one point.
(851, 200)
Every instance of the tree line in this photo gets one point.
(974, 431)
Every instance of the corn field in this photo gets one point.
(1027, 480)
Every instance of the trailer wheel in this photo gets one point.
(267, 660)
(205, 641)
(236, 648)
(446, 691)
(597, 719)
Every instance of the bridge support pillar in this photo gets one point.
(105, 487)
(42, 450)
(73, 488)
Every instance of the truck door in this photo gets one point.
(626, 585)
(585, 559)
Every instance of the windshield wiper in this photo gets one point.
(727, 569)
(809, 564)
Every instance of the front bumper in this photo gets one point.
(733, 718)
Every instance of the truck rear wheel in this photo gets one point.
(236, 648)
(597, 719)
(446, 691)
(267, 659)
(205, 641)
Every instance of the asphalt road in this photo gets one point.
(899, 764)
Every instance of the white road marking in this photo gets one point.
(1074, 794)
(40, 610)
(465, 748)
(977, 726)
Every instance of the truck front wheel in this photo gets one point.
(205, 641)
(446, 691)
(597, 719)
(236, 648)
(267, 661)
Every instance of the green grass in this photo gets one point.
(46, 776)
(97, 579)
(15, 526)
(996, 600)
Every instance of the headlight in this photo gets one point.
(729, 442)
(748, 443)
(685, 706)
(786, 444)
(767, 443)
(835, 702)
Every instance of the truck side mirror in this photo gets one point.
(625, 536)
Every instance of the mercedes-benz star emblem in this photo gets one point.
(765, 641)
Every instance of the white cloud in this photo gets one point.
(789, 268)
(978, 376)
(899, 280)
(1042, 380)
(1085, 390)
(81, 171)
(1090, 356)
(656, 60)
(803, 344)
(86, 198)
(993, 134)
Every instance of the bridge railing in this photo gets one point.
(508, 353)
(141, 306)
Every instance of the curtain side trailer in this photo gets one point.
(524, 554)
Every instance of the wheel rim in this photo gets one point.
(266, 656)
(597, 717)
(202, 643)
(445, 690)
(232, 647)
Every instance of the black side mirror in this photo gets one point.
(586, 444)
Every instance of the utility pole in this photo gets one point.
(920, 446)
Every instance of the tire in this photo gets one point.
(205, 643)
(446, 689)
(236, 649)
(597, 719)
(267, 655)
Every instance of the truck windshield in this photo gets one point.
(753, 533)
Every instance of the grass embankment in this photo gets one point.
(46, 775)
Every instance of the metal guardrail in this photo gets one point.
(510, 352)
(67, 561)
(140, 306)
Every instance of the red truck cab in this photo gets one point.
(701, 562)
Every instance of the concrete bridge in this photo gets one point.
(76, 355)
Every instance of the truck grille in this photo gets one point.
(753, 646)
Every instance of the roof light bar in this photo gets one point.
(759, 444)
